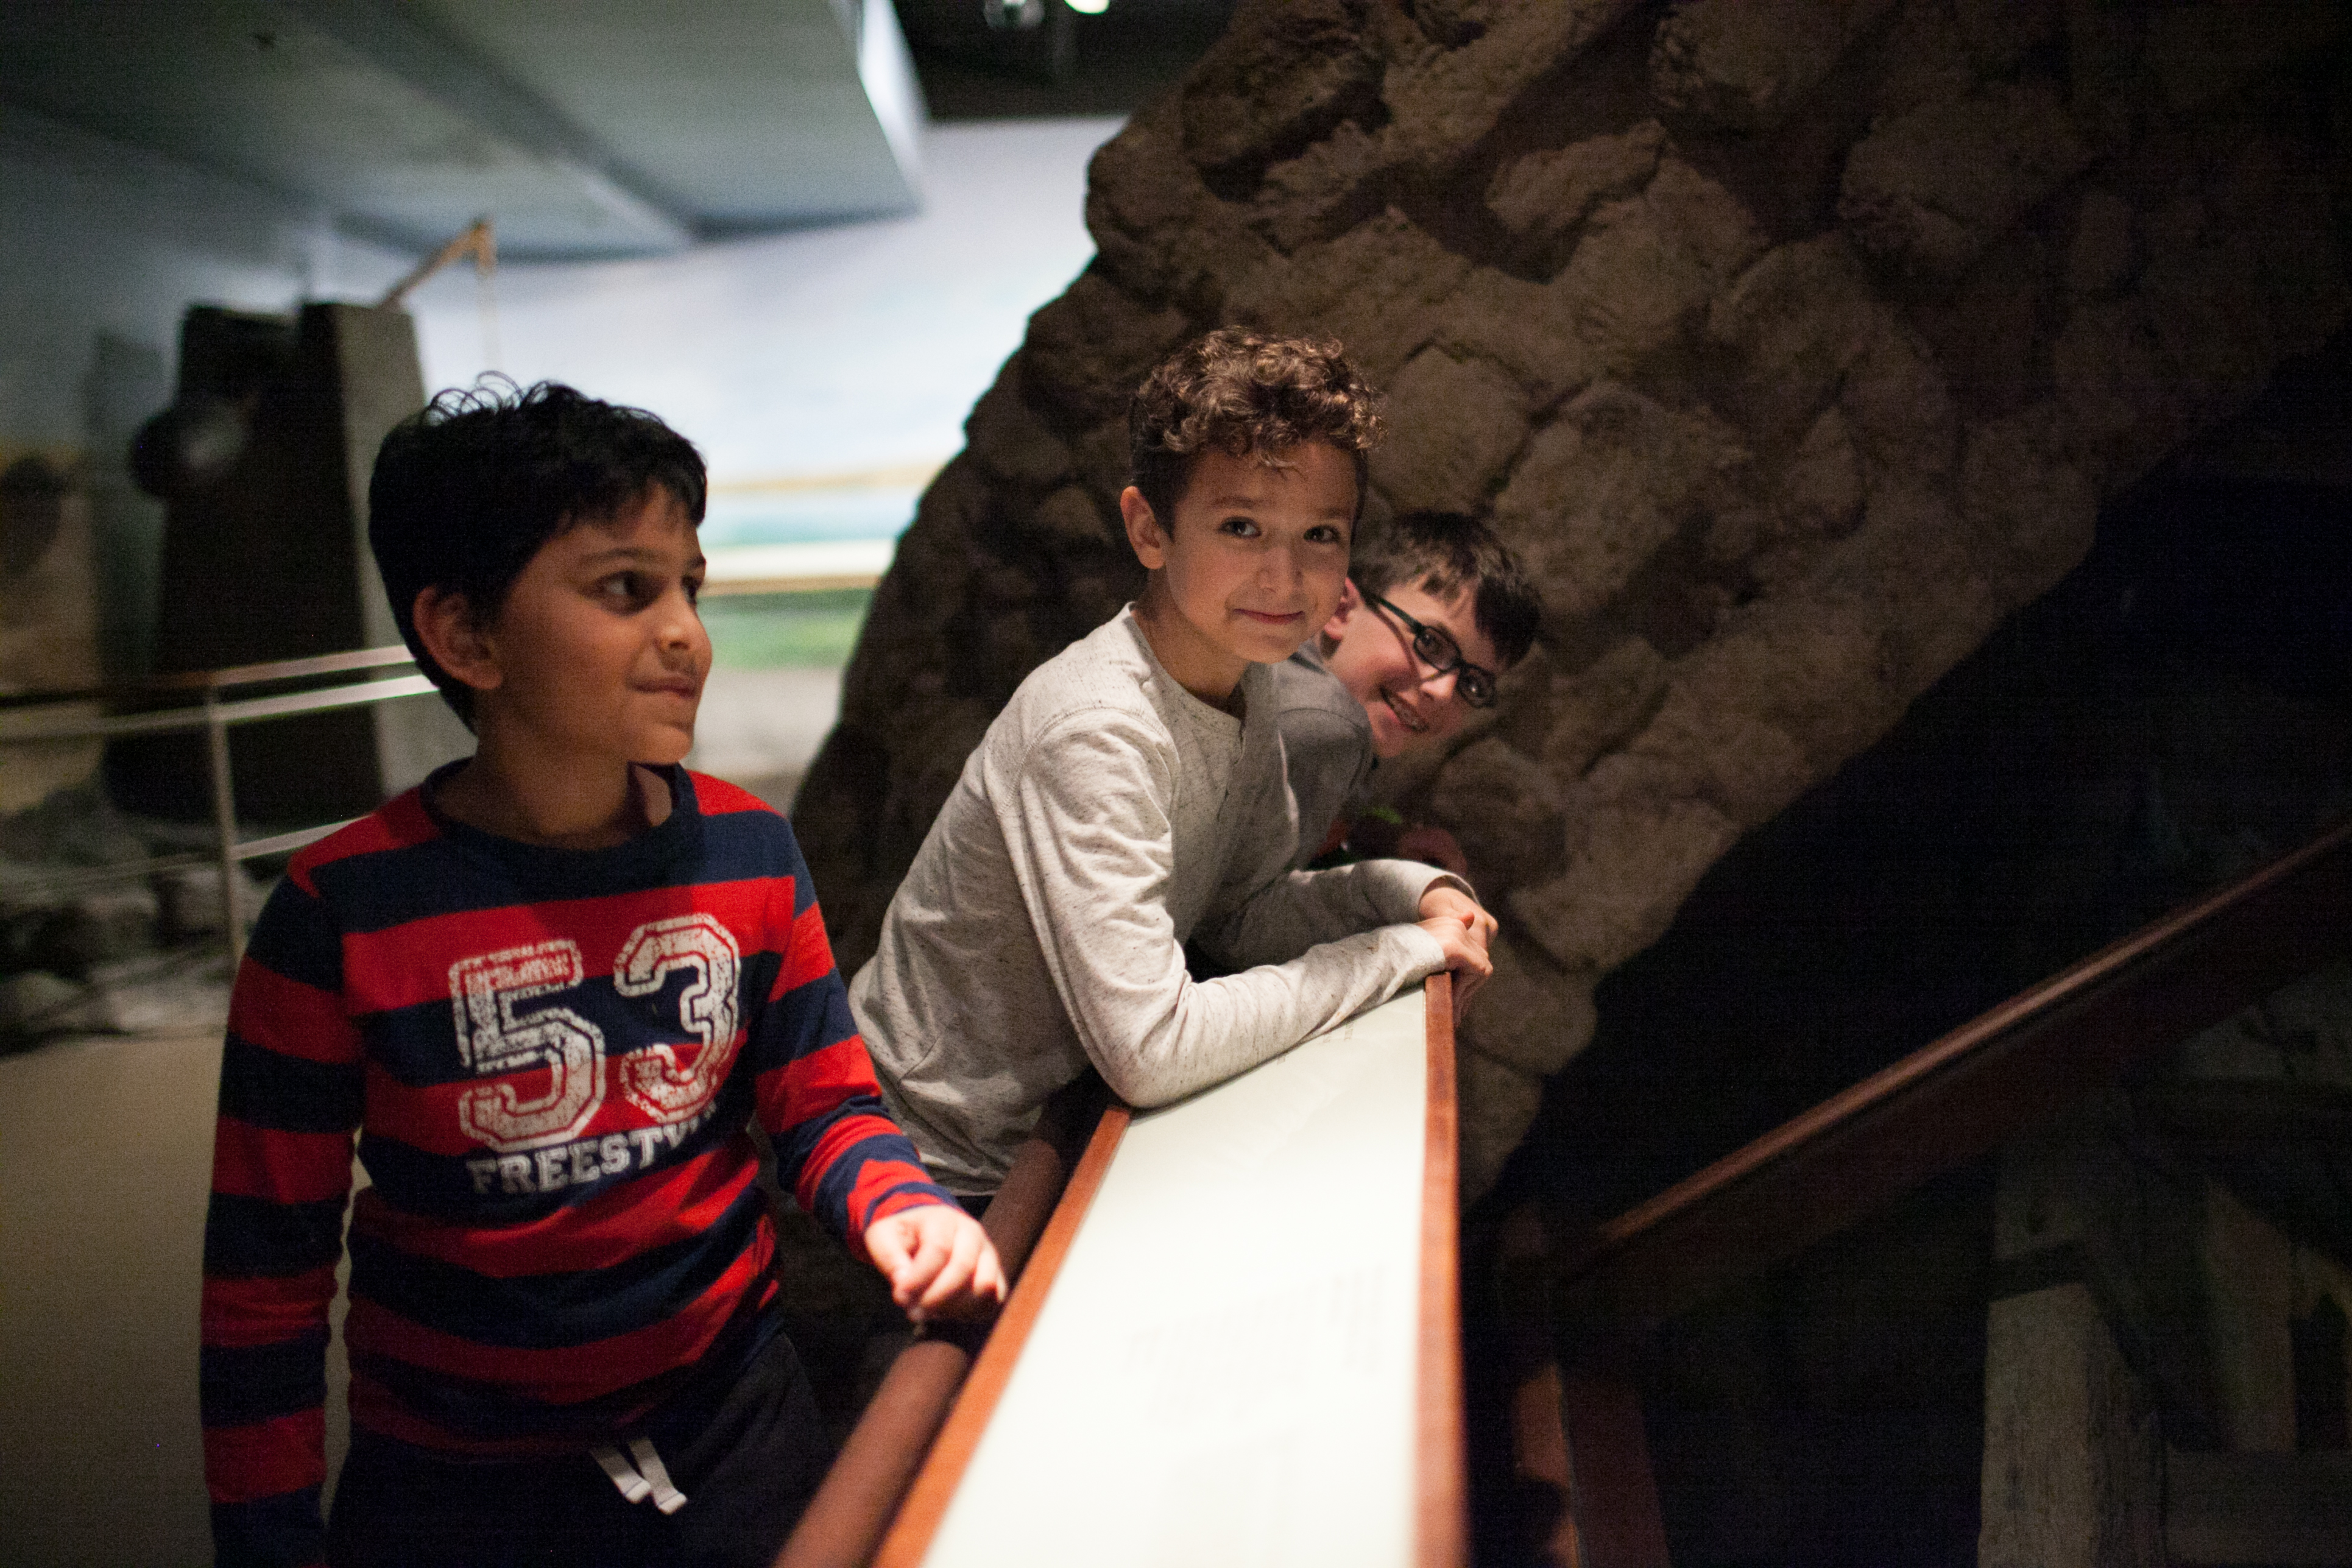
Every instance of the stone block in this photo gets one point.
(1006, 438)
(1285, 72)
(1453, 426)
(1320, 193)
(1069, 523)
(2120, 408)
(1793, 321)
(1601, 489)
(1087, 350)
(1648, 266)
(1530, 1016)
(1547, 194)
(1532, 330)
(1444, 101)
(1899, 409)
(1821, 487)
(1378, 288)
(1495, 1104)
(1600, 707)
(1641, 859)
(1749, 64)
(1927, 192)
(1160, 233)
(2030, 498)
(1504, 811)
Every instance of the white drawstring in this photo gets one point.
(667, 1497)
(653, 1483)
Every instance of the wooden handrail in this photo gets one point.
(1958, 1098)
(888, 1493)
(934, 1485)
(1441, 1518)
(844, 1522)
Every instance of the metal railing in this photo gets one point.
(51, 716)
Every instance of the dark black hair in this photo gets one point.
(467, 490)
(1247, 394)
(1440, 552)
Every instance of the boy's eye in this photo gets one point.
(1239, 527)
(1324, 533)
(629, 588)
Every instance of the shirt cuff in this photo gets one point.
(1401, 884)
(1424, 954)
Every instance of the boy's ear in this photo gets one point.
(1144, 534)
(447, 626)
(1351, 604)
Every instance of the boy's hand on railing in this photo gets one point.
(1465, 930)
(938, 1261)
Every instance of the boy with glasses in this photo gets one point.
(1434, 610)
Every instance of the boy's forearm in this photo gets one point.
(291, 1097)
(1217, 1028)
(1297, 910)
(270, 1280)
(837, 1151)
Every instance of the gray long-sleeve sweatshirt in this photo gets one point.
(1109, 817)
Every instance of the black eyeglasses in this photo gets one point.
(1435, 648)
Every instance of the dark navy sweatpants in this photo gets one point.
(748, 1457)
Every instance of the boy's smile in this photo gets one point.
(595, 660)
(599, 647)
(1254, 563)
(1371, 655)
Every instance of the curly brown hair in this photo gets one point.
(1246, 394)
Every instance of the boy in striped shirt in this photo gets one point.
(549, 989)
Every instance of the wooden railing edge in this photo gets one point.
(925, 1503)
(2272, 898)
(1441, 1525)
(863, 1492)
(889, 1489)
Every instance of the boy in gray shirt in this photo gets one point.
(1131, 798)
(1434, 609)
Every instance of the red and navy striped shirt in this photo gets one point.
(550, 1058)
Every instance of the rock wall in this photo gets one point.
(1795, 344)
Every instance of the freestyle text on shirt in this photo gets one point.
(550, 1058)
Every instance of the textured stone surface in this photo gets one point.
(47, 618)
(1795, 344)
(1548, 194)
(1928, 192)
(1749, 64)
